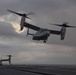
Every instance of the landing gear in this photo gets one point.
(44, 41)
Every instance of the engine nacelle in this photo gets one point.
(63, 31)
(22, 23)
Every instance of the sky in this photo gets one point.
(27, 51)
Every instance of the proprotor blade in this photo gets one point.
(15, 12)
(30, 13)
(28, 17)
(56, 24)
(9, 55)
(71, 26)
(63, 25)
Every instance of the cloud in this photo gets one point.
(42, 53)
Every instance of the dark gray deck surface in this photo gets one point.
(37, 70)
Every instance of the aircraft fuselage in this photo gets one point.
(42, 34)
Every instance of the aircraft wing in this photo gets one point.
(55, 32)
(36, 28)
(31, 26)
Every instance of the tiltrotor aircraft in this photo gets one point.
(42, 33)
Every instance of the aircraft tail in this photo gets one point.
(28, 32)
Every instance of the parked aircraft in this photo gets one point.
(8, 59)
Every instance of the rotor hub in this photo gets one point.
(24, 15)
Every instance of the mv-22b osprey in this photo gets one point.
(42, 33)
